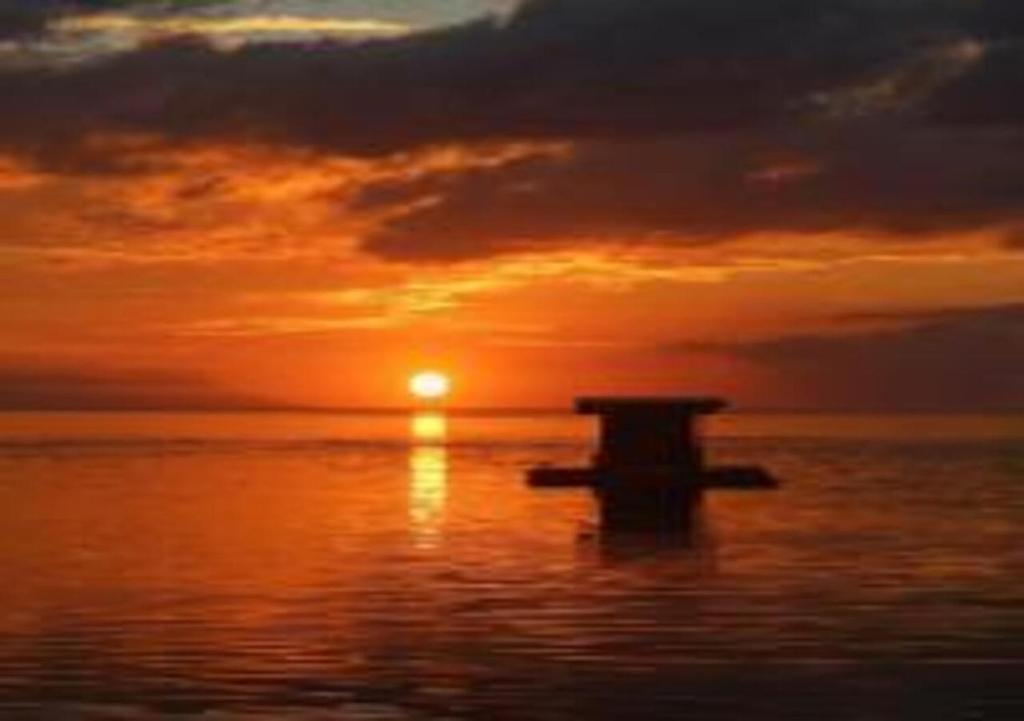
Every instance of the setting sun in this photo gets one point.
(430, 385)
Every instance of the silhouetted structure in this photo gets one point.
(649, 471)
(648, 433)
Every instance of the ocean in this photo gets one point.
(375, 567)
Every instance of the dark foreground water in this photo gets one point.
(323, 567)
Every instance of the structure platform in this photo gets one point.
(744, 478)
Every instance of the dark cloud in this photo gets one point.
(993, 19)
(988, 95)
(557, 68)
(35, 388)
(1010, 316)
(695, 120)
(709, 188)
(26, 18)
(19, 18)
(962, 359)
(1014, 238)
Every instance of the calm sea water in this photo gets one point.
(280, 566)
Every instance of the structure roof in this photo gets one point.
(655, 405)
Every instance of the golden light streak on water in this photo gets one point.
(428, 477)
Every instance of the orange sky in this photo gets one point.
(161, 261)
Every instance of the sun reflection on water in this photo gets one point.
(428, 477)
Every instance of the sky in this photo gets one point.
(239, 203)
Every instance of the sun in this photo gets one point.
(430, 385)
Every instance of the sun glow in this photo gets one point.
(430, 385)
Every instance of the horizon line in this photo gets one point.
(481, 410)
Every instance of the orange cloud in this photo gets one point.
(219, 26)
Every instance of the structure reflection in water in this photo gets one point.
(690, 540)
(428, 476)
